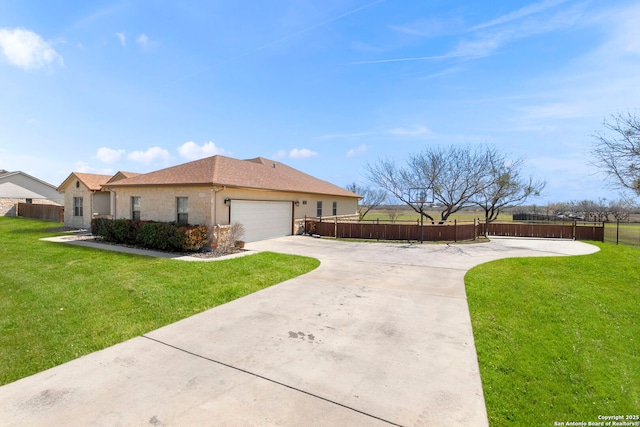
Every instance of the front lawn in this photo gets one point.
(59, 302)
(558, 339)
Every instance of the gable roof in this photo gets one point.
(258, 173)
(20, 185)
(122, 175)
(92, 181)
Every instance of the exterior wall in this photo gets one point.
(92, 202)
(207, 207)
(206, 204)
(159, 203)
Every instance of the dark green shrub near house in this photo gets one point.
(162, 236)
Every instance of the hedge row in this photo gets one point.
(164, 236)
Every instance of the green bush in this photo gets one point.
(162, 236)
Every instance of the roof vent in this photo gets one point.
(274, 165)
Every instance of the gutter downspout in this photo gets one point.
(214, 208)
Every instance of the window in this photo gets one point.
(77, 206)
(29, 201)
(319, 208)
(135, 208)
(335, 208)
(182, 204)
(304, 202)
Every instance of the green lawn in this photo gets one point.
(58, 301)
(558, 339)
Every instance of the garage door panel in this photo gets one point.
(262, 219)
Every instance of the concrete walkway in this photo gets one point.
(379, 334)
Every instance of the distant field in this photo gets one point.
(409, 215)
(625, 234)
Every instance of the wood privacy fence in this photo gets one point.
(572, 230)
(451, 231)
(41, 211)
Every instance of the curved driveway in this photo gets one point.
(379, 334)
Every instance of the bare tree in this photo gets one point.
(504, 186)
(394, 212)
(371, 198)
(620, 209)
(617, 151)
(453, 174)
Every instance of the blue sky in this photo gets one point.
(323, 86)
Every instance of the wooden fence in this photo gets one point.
(545, 231)
(449, 231)
(41, 211)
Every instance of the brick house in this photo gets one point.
(84, 197)
(268, 198)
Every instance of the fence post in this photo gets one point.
(335, 227)
(617, 230)
(574, 230)
(455, 230)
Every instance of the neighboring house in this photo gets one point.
(84, 198)
(19, 187)
(265, 196)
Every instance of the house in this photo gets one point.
(269, 198)
(84, 197)
(19, 187)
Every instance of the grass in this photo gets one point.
(558, 339)
(59, 302)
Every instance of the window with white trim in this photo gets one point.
(319, 208)
(335, 208)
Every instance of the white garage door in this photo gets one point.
(262, 220)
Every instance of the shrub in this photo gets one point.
(162, 236)
(194, 237)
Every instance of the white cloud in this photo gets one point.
(143, 41)
(358, 150)
(26, 49)
(302, 153)
(192, 151)
(84, 167)
(416, 131)
(122, 37)
(109, 155)
(149, 156)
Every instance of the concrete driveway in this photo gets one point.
(379, 334)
